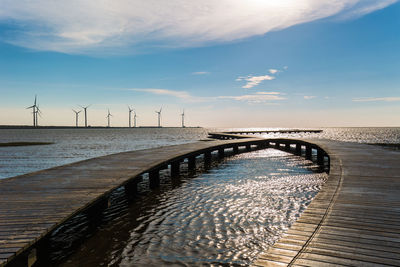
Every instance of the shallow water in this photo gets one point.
(226, 215)
(71, 145)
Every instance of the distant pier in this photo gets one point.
(274, 131)
(353, 220)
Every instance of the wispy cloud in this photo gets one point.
(85, 26)
(258, 97)
(273, 71)
(377, 99)
(179, 94)
(200, 73)
(254, 80)
(307, 97)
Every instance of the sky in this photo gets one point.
(226, 63)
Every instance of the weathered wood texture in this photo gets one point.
(34, 204)
(243, 134)
(354, 220)
(274, 131)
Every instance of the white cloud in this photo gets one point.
(258, 97)
(376, 99)
(156, 91)
(273, 71)
(200, 73)
(254, 80)
(129, 26)
(307, 97)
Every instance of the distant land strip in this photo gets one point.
(25, 143)
(274, 131)
(392, 146)
(83, 127)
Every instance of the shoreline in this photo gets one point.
(92, 127)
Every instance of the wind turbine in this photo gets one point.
(33, 107)
(159, 117)
(84, 108)
(183, 119)
(134, 119)
(76, 116)
(38, 112)
(108, 117)
(130, 116)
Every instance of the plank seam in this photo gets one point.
(326, 214)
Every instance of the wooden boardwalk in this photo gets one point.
(33, 205)
(354, 220)
(274, 131)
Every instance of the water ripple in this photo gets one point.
(222, 217)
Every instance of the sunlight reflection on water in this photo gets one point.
(226, 215)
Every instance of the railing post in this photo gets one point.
(320, 156)
(287, 146)
(175, 168)
(192, 163)
(262, 145)
(308, 152)
(131, 187)
(248, 147)
(221, 153)
(298, 149)
(277, 145)
(207, 159)
(236, 149)
(154, 179)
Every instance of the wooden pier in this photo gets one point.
(353, 220)
(289, 131)
(35, 204)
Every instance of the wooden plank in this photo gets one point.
(34, 204)
(353, 220)
(360, 211)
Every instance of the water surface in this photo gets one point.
(227, 215)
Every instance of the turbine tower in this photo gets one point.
(134, 119)
(159, 117)
(183, 119)
(38, 112)
(108, 118)
(130, 116)
(76, 116)
(84, 108)
(33, 107)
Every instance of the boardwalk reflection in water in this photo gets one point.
(226, 215)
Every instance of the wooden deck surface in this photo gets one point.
(34, 204)
(274, 131)
(354, 220)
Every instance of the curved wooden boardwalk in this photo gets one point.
(354, 220)
(33, 205)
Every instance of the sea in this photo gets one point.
(224, 216)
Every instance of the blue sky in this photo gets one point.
(262, 64)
